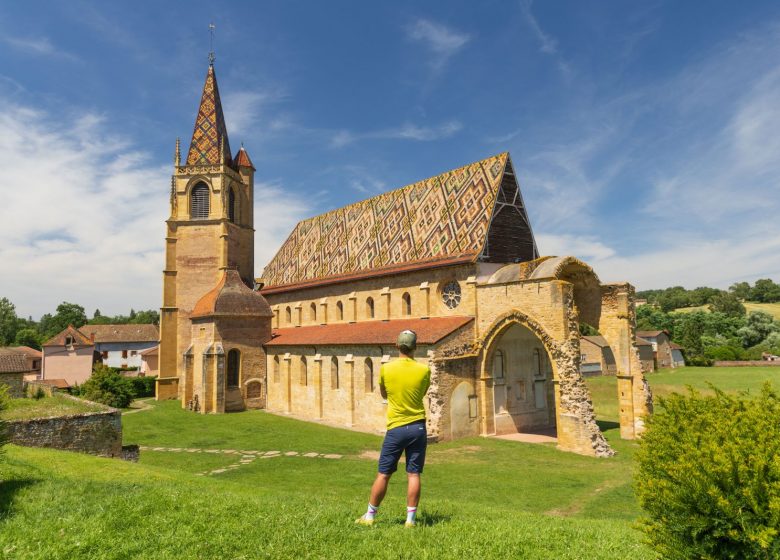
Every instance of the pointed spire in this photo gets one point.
(242, 158)
(210, 135)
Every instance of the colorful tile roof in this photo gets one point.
(429, 331)
(447, 215)
(121, 333)
(210, 138)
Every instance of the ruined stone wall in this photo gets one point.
(452, 414)
(547, 308)
(97, 433)
(618, 327)
(14, 382)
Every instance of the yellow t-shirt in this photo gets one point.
(406, 382)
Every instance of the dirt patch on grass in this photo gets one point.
(371, 454)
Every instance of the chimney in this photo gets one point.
(92, 337)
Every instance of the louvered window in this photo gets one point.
(199, 202)
(232, 206)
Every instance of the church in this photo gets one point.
(452, 257)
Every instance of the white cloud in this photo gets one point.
(407, 131)
(84, 212)
(547, 43)
(243, 109)
(39, 46)
(442, 41)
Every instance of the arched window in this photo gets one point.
(276, 369)
(313, 312)
(304, 371)
(199, 202)
(369, 375)
(537, 363)
(334, 373)
(233, 367)
(406, 304)
(498, 365)
(340, 311)
(232, 205)
(288, 315)
(370, 308)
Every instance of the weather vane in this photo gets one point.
(212, 27)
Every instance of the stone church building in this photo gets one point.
(452, 257)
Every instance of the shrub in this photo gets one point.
(5, 401)
(142, 386)
(699, 361)
(709, 479)
(108, 387)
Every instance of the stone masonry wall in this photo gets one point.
(96, 433)
(15, 382)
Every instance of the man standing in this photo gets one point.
(403, 382)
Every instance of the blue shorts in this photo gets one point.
(410, 438)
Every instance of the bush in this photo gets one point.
(709, 479)
(108, 387)
(699, 361)
(5, 401)
(142, 386)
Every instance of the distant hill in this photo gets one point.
(771, 308)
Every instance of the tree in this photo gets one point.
(765, 291)
(759, 325)
(741, 290)
(28, 337)
(96, 314)
(689, 330)
(67, 314)
(708, 477)
(108, 387)
(8, 322)
(728, 304)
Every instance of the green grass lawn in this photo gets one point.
(482, 498)
(664, 382)
(56, 405)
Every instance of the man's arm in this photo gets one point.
(382, 390)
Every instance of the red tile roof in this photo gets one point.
(231, 297)
(59, 383)
(650, 334)
(121, 333)
(26, 350)
(13, 362)
(642, 342)
(79, 339)
(242, 159)
(429, 331)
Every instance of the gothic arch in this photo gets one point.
(574, 416)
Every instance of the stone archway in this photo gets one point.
(573, 411)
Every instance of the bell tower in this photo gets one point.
(210, 229)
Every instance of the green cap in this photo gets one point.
(407, 339)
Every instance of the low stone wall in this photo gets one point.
(96, 433)
(748, 363)
(15, 382)
(32, 387)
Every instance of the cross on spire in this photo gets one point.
(212, 27)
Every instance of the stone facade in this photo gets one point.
(452, 257)
(14, 382)
(96, 433)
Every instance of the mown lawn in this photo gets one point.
(771, 308)
(483, 498)
(664, 382)
(45, 407)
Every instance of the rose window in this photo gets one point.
(450, 294)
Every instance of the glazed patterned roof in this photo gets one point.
(210, 131)
(445, 216)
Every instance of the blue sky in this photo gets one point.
(644, 134)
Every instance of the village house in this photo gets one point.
(70, 356)
(452, 257)
(14, 366)
(666, 354)
(34, 358)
